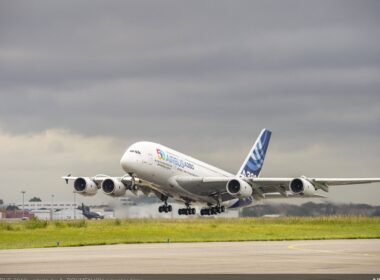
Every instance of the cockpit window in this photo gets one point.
(135, 151)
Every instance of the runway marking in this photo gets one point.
(293, 247)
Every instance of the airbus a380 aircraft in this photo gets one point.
(153, 168)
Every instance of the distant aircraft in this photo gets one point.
(154, 168)
(90, 215)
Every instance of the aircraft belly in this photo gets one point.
(163, 178)
(179, 194)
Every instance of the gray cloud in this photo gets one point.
(201, 76)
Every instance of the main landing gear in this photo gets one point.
(165, 208)
(186, 211)
(212, 210)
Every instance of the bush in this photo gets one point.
(59, 224)
(6, 226)
(35, 223)
(77, 224)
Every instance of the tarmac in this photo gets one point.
(318, 256)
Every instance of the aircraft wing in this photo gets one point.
(266, 184)
(262, 187)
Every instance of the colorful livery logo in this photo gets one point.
(164, 156)
(161, 154)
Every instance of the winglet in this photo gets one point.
(255, 159)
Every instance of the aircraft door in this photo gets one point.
(150, 159)
(150, 164)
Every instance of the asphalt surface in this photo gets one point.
(323, 256)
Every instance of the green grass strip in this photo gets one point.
(38, 234)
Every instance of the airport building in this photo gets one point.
(32, 206)
(15, 214)
(51, 211)
(61, 210)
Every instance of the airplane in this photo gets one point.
(88, 214)
(153, 168)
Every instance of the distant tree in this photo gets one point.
(12, 208)
(295, 210)
(259, 210)
(35, 199)
(1, 202)
(376, 213)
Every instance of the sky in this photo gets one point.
(80, 81)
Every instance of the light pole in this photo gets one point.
(75, 210)
(23, 209)
(52, 209)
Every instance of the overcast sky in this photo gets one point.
(82, 80)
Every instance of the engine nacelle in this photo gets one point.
(85, 186)
(302, 187)
(239, 188)
(113, 187)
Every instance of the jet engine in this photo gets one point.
(239, 188)
(113, 187)
(302, 187)
(85, 186)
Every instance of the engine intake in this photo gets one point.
(239, 188)
(302, 187)
(113, 187)
(85, 186)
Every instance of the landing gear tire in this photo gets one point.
(186, 211)
(165, 208)
(212, 210)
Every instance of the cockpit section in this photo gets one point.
(135, 151)
(131, 158)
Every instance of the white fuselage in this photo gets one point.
(154, 168)
(159, 165)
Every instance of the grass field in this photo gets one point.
(32, 234)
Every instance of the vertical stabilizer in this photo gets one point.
(255, 159)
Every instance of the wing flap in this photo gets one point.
(345, 181)
(279, 196)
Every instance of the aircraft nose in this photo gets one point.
(126, 162)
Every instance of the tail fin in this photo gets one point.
(255, 159)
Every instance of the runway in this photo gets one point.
(327, 256)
